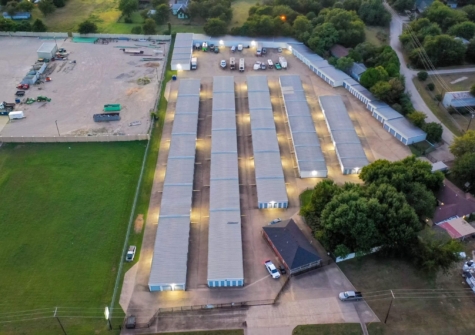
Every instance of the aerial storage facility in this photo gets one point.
(225, 260)
(170, 254)
(348, 146)
(309, 155)
(270, 182)
(182, 51)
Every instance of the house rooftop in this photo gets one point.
(339, 51)
(453, 202)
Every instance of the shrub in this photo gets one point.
(422, 75)
(430, 86)
(136, 30)
(128, 20)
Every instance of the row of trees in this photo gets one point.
(10, 25)
(463, 148)
(217, 13)
(45, 6)
(387, 211)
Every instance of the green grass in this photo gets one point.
(305, 197)
(329, 329)
(412, 316)
(439, 111)
(212, 332)
(241, 11)
(64, 214)
(377, 35)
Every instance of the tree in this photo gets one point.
(470, 10)
(372, 75)
(351, 30)
(344, 64)
(87, 27)
(470, 53)
(352, 5)
(38, 26)
(215, 27)
(373, 13)
(323, 38)
(127, 7)
(434, 131)
(59, 3)
(422, 200)
(464, 170)
(194, 9)
(422, 75)
(301, 26)
(23, 26)
(162, 14)
(464, 144)
(137, 30)
(430, 86)
(25, 6)
(465, 30)
(156, 3)
(417, 118)
(46, 7)
(11, 8)
(444, 50)
(444, 16)
(149, 27)
(402, 5)
(472, 90)
(381, 90)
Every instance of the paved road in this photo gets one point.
(418, 102)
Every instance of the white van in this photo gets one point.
(232, 64)
(239, 47)
(233, 48)
(241, 65)
(16, 115)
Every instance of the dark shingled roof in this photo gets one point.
(455, 202)
(292, 245)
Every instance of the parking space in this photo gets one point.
(101, 74)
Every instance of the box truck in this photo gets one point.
(16, 115)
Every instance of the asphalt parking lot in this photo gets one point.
(102, 74)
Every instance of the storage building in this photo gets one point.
(404, 131)
(182, 52)
(360, 92)
(225, 260)
(270, 182)
(291, 246)
(348, 148)
(460, 99)
(170, 254)
(47, 50)
(308, 153)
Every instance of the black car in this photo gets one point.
(131, 322)
(264, 51)
(282, 270)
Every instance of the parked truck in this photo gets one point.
(232, 64)
(194, 63)
(241, 65)
(283, 62)
(350, 296)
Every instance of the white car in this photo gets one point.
(223, 64)
(277, 220)
(239, 47)
(272, 269)
(131, 253)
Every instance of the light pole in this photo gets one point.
(106, 314)
(57, 318)
(469, 122)
(56, 121)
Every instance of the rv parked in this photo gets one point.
(241, 65)
(232, 64)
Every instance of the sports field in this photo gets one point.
(63, 216)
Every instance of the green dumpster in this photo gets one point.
(112, 108)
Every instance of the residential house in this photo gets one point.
(182, 14)
(453, 203)
(460, 99)
(179, 9)
(339, 51)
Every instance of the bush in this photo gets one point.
(430, 86)
(128, 20)
(59, 3)
(87, 27)
(136, 30)
(422, 75)
(439, 97)
(38, 26)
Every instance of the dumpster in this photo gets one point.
(106, 117)
(112, 108)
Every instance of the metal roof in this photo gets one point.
(170, 253)
(224, 101)
(387, 113)
(292, 81)
(312, 165)
(267, 164)
(185, 124)
(225, 260)
(377, 104)
(182, 145)
(354, 162)
(306, 52)
(309, 154)
(182, 49)
(351, 82)
(223, 84)
(350, 150)
(180, 171)
(333, 73)
(189, 87)
(176, 200)
(290, 95)
(306, 139)
(47, 47)
(225, 256)
(187, 105)
(266, 139)
(345, 136)
(296, 108)
(301, 124)
(224, 141)
(404, 127)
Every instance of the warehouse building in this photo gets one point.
(291, 246)
(182, 52)
(308, 153)
(384, 114)
(47, 50)
(404, 131)
(348, 148)
(270, 182)
(359, 91)
(225, 259)
(170, 254)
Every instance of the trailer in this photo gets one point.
(132, 51)
(283, 62)
(112, 108)
(20, 93)
(232, 63)
(106, 117)
(194, 63)
(241, 65)
(16, 115)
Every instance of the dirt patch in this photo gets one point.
(138, 224)
(151, 64)
(133, 90)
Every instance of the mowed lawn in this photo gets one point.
(241, 11)
(329, 329)
(63, 217)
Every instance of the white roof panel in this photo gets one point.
(224, 195)
(224, 101)
(223, 84)
(180, 171)
(189, 87)
(271, 190)
(265, 140)
(185, 124)
(307, 139)
(387, 113)
(354, 163)
(223, 120)
(268, 165)
(259, 100)
(257, 84)
(350, 150)
(297, 108)
(183, 145)
(187, 105)
(224, 166)
(262, 120)
(301, 124)
(223, 141)
(176, 200)
(319, 166)
(309, 154)
(291, 81)
(345, 136)
(403, 126)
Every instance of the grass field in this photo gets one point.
(241, 11)
(413, 316)
(450, 121)
(329, 329)
(377, 35)
(64, 214)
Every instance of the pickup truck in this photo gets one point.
(350, 296)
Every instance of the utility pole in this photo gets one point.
(56, 121)
(469, 122)
(57, 318)
(390, 305)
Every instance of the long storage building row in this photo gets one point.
(347, 144)
(398, 126)
(309, 155)
(170, 255)
(270, 182)
(225, 260)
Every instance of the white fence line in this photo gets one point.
(353, 255)
(63, 139)
(32, 34)
(129, 36)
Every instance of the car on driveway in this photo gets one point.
(131, 253)
(350, 296)
(277, 220)
(272, 269)
(282, 269)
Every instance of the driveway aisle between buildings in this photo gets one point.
(418, 102)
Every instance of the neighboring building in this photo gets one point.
(463, 40)
(291, 247)
(339, 51)
(404, 131)
(182, 51)
(421, 5)
(181, 13)
(47, 50)
(439, 166)
(17, 16)
(359, 91)
(453, 203)
(457, 228)
(179, 8)
(452, 4)
(357, 70)
(459, 99)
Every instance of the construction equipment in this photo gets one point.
(23, 86)
(41, 98)
(7, 106)
(29, 101)
(112, 108)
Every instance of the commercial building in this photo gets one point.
(459, 99)
(308, 153)
(182, 51)
(270, 182)
(170, 254)
(225, 260)
(47, 50)
(348, 147)
(291, 247)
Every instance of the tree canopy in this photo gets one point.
(87, 27)
(215, 27)
(463, 144)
